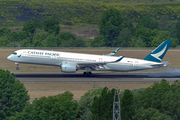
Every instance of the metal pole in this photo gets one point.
(116, 106)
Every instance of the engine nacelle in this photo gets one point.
(68, 67)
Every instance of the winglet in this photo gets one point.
(114, 52)
(119, 59)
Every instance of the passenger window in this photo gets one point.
(14, 53)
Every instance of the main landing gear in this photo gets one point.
(17, 68)
(89, 74)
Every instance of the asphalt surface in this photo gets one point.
(98, 77)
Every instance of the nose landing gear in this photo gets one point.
(17, 68)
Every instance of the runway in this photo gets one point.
(97, 77)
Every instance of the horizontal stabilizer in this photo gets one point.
(162, 64)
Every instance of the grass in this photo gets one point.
(37, 90)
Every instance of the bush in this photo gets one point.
(4, 32)
(161, 96)
(98, 41)
(150, 114)
(59, 107)
(110, 25)
(52, 26)
(103, 104)
(85, 104)
(4, 41)
(79, 42)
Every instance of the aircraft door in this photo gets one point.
(53, 57)
(58, 56)
(24, 54)
(136, 63)
(100, 59)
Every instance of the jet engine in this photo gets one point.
(68, 67)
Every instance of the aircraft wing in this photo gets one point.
(114, 52)
(83, 64)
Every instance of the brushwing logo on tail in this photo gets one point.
(157, 55)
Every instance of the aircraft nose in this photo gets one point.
(9, 57)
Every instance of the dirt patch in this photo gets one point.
(82, 30)
(90, 35)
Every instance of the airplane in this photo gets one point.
(72, 62)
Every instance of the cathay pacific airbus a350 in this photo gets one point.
(71, 62)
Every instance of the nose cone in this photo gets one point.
(9, 57)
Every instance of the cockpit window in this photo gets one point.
(14, 53)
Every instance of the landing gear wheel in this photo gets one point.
(85, 74)
(89, 74)
(17, 68)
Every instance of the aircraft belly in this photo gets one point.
(121, 67)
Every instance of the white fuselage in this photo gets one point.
(55, 58)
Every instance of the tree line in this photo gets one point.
(160, 101)
(39, 33)
(114, 30)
